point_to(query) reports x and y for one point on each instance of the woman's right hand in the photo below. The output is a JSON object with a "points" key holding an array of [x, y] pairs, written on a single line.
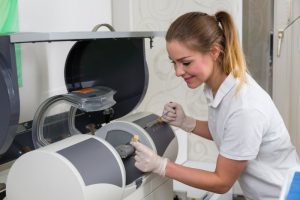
{"points": [[174, 115]]}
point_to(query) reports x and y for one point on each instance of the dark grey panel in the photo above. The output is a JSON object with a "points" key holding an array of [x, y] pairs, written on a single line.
{"points": [[94, 161], [9, 91], [161, 133], [119, 137], [258, 40]]}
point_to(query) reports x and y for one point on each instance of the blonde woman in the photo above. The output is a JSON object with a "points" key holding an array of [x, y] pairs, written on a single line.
{"points": [[253, 142]]}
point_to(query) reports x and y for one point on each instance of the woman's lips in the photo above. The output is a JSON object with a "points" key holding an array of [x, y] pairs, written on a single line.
{"points": [[188, 79]]}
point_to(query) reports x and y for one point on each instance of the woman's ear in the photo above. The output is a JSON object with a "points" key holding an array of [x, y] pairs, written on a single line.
{"points": [[215, 51]]}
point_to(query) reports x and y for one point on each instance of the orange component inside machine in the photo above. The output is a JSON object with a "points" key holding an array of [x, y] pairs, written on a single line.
{"points": [[86, 90]]}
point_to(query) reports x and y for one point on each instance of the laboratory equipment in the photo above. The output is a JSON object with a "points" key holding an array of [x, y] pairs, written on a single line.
{"points": [[76, 135]]}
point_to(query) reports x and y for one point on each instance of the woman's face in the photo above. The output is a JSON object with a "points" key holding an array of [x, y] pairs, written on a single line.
{"points": [[194, 67]]}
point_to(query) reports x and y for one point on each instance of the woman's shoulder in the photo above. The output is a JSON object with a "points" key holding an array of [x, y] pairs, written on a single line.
{"points": [[252, 98]]}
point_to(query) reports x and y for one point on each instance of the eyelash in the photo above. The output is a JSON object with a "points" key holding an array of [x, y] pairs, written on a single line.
{"points": [[184, 63]]}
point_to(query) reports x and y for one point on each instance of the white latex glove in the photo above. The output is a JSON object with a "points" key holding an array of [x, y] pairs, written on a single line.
{"points": [[147, 160], [174, 115]]}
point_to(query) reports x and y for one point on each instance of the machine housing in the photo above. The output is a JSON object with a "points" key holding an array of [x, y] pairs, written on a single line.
{"points": [[75, 153]]}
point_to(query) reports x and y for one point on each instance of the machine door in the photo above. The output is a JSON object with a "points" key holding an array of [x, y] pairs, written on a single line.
{"points": [[116, 63]]}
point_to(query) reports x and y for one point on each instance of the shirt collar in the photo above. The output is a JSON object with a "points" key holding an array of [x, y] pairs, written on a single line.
{"points": [[225, 87]]}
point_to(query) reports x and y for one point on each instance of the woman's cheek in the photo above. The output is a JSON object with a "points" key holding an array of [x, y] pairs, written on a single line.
{"points": [[203, 67], [198, 69]]}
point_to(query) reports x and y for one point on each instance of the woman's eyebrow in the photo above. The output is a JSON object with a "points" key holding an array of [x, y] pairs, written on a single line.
{"points": [[180, 59]]}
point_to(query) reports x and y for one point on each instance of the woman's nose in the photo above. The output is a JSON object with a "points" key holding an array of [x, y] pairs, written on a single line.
{"points": [[179, 71]]}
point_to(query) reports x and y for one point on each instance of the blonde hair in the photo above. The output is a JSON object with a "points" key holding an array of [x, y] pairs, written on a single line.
{"points": [[199, 31]]}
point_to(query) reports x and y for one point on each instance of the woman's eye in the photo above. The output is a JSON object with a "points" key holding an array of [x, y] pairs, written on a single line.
{"points": [[186, 63]]}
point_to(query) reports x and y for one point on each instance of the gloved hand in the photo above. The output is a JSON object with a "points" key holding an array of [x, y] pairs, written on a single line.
{"points": [[174, 115], [147, 160]]}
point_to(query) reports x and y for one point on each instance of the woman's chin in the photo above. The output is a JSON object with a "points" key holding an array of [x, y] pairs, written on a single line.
{"points": [[193, 85]]}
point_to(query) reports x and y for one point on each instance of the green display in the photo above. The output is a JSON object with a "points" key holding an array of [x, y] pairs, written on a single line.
{"points": [[9, 23]]}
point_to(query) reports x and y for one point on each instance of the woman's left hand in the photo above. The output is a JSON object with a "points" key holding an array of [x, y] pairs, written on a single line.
{"points": [[147, 160]]}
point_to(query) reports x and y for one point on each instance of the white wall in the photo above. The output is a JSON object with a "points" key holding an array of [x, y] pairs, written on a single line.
{"points": [[43, 63]]}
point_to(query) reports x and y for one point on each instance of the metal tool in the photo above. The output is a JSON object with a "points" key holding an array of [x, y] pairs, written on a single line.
{"points": [[156, 121]]}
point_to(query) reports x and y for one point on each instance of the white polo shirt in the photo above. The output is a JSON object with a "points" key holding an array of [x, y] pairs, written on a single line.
{"points": [[246, 125]]}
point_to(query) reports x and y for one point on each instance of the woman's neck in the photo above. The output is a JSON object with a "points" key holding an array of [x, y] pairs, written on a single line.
{"points": [[216, 80]]}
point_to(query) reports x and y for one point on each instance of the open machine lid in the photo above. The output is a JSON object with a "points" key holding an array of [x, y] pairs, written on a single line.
{"points": [[117, 63], [114, 60], [110, 59]]}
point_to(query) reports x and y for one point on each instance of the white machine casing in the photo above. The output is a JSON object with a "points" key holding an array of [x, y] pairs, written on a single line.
{"points": [[86, 167], [74, 154]]}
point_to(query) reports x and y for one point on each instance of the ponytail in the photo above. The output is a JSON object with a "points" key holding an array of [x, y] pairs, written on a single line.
{"points": [[233, 60]]}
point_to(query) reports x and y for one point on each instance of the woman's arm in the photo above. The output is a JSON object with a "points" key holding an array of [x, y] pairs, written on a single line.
{"points": [[226, 173], [202, 130]]}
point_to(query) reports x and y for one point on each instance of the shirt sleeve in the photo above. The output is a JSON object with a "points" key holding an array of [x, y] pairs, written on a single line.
{"points": [[243, 134]]}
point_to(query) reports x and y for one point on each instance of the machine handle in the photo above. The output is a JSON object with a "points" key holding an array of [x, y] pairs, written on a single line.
{"points": [[110, 27]]}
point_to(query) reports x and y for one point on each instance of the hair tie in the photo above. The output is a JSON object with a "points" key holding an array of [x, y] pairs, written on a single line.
{"points": [[219, 22]]}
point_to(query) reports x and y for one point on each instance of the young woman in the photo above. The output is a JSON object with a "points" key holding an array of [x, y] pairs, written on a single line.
{"points": [[253, 142]]}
